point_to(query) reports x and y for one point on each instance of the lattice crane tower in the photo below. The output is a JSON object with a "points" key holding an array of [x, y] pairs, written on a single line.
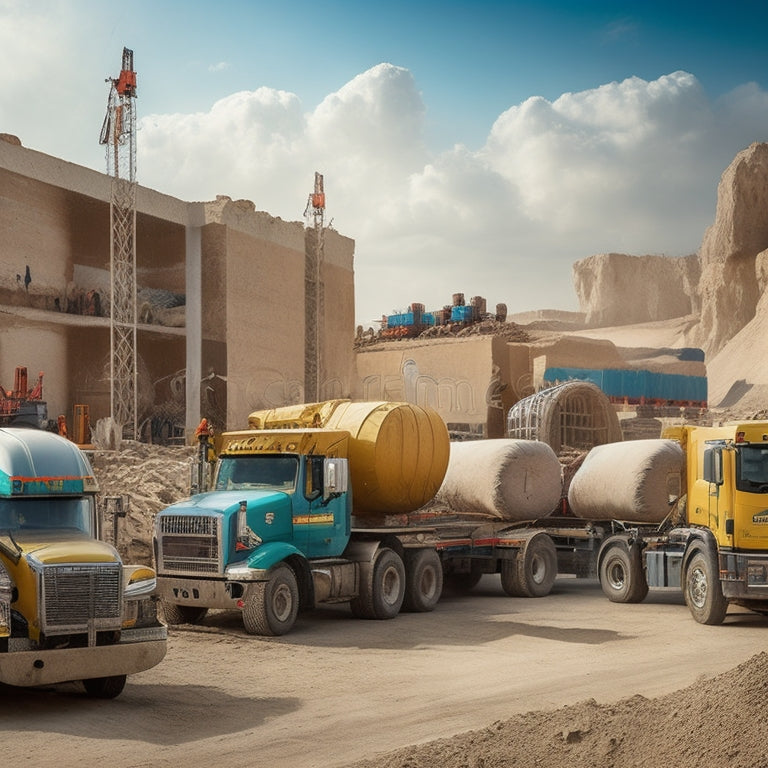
{"points": [[118, 134], [314, 294]]}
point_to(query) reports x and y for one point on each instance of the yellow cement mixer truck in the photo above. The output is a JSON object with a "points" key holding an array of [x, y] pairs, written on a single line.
{"points": [[713, 540], [688, 512]]}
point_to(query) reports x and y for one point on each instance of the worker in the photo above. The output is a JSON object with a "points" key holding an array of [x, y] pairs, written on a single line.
{"points": [[204, 435]]}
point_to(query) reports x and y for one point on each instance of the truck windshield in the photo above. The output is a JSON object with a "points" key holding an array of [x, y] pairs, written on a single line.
{"points": [[243, 472], [752, 469], [19, 515]]}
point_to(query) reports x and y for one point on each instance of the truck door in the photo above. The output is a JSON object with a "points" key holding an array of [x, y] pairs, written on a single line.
{"points": [[750, 526], [718, 472], [322, 528], [704, 503]]}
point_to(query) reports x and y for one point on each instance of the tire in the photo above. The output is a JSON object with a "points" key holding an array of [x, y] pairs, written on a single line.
{"points": [[703, 593], [272, 606], [183, 614], [509, 581], [104, 687], [536, 569], [621, 574], [423, 581], [382, 592]]}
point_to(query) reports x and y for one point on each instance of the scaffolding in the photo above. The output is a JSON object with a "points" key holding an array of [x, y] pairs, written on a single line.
{"points": [[118, 134], [314, 298]]}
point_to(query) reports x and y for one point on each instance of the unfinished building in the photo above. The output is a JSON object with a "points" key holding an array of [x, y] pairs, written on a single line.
{"points": [[221, 327]]}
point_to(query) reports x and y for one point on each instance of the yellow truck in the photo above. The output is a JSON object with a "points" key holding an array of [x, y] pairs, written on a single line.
{"points": [[713, 543], [70, 610]]}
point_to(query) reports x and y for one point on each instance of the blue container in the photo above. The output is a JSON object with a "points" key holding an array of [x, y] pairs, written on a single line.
{"points": [[461, 314], [636, 385]]}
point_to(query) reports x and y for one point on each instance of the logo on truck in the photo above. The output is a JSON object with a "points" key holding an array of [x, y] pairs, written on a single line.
{"points": [[761, 518]]}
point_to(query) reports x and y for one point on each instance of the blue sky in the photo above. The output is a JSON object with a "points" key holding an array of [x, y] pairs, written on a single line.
{"points": [[467, 147]]}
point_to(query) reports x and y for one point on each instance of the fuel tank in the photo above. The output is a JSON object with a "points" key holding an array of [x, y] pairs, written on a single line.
{"points": [[398, 452]]}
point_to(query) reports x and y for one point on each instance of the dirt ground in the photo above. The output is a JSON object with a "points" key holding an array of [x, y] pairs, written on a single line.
{"points": [[718, 720], [483, 681]]}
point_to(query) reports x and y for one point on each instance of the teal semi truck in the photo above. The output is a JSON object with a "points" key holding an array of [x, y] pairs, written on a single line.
{"points": [[70, 609], [275, 534]]}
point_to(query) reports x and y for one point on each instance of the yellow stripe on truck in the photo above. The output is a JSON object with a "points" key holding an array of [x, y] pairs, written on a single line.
{"points": [[313, 519]]}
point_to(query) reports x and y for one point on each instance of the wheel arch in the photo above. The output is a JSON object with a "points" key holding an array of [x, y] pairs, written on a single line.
{"points": [[304, 581], [270, 554], [624, 539], [699, 540]]}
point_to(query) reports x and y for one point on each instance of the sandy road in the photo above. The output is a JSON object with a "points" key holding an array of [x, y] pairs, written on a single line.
{"points": [[338, 689]]}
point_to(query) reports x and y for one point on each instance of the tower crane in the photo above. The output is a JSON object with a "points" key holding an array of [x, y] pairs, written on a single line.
{"points": [[118, 135]]}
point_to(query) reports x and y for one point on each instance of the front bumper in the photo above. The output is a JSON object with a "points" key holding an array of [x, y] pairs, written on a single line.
{"points": [[28, 668], [228, 594]]}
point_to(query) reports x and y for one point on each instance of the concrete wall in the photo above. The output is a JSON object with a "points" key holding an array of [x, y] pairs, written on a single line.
{"points": [[244, 345], [337, 371], [465, 380]]}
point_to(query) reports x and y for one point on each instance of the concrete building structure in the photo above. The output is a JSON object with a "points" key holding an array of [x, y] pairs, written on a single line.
{"points": [[221, 328]]}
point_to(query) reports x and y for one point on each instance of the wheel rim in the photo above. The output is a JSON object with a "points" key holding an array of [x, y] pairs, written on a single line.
{"points": [[617, 578], [697, 587], [391, 586], [428, 583], [538, 569], [282, 602]]}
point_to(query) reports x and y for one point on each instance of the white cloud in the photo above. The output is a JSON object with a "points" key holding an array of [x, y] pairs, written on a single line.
{"points": [[628, 166], [48, 95], [220, 66]]}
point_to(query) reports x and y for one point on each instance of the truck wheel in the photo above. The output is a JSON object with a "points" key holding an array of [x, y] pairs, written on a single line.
{"points": [[536, 569], [703, 593], [183, 614], [104, 687], [423, 580], [621, 575], [272, 606], [382, 593]]}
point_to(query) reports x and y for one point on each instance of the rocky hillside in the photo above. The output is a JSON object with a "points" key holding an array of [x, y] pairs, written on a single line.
{"points": [[720, 292]]}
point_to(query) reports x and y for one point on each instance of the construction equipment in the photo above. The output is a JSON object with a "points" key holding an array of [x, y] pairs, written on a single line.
{"points": [[22, 406], [118, 134]]}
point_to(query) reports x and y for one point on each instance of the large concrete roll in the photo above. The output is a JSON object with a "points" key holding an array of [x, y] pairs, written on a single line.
{"points": [[635, 481], [506, 479], [398, 452]]}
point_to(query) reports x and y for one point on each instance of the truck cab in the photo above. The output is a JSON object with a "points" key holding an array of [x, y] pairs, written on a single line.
{"points": [[728, 501], [69, 608]]}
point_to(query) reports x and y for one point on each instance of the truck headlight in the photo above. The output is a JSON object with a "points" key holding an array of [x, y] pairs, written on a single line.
{"points": [[139, 600], [141, 612]]}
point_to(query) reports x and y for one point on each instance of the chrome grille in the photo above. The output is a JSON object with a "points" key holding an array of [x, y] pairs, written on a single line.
{"points": [[189, 544], [76, 598]]}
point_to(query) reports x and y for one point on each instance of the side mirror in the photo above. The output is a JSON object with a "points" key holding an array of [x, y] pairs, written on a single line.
{"points": [[335, 477], [713, 466]]}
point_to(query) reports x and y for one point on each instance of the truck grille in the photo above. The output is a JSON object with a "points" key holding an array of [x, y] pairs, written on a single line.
{"points": [[189, 544], [76, 598]]}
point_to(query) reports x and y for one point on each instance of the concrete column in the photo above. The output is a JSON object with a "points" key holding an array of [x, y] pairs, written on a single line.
{"points": [[194, 284]]}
